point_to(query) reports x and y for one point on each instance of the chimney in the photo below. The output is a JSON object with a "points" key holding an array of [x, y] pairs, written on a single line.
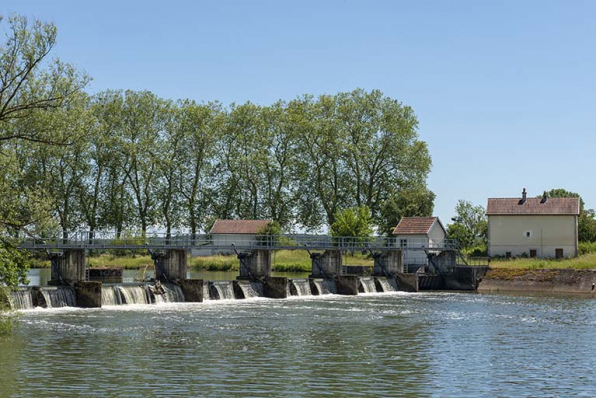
{"points": [[544, 197], [524, 196]]}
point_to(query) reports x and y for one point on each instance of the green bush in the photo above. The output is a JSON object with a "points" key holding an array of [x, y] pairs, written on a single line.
{"points": [[587, 247], [8, 318]]}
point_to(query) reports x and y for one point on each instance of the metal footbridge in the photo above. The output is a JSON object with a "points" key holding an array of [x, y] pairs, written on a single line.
{"points": [[97, 240]]}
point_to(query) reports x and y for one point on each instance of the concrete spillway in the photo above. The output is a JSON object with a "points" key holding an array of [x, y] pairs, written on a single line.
{"points": [[386, 285], [299, 287], [367, 285], [57, 296]]}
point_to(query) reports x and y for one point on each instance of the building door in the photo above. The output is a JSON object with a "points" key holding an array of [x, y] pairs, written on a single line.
{"points": [[532, 253], [558, 253]]}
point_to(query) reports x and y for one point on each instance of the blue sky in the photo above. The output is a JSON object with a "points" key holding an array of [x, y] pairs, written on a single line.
{"points": [[505, 91]]}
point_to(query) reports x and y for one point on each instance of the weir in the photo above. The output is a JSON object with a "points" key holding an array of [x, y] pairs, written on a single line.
{"points": [[68, 267], [299, 287], [171, 265], [255, 264], [326, 264], [387, 263], [367, 285]]}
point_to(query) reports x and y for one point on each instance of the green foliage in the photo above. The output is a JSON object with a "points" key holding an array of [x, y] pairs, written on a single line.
{"points": [[8, 318], [587, 248], [407, 202], [470, 225], [271, 229], [356, 222]]}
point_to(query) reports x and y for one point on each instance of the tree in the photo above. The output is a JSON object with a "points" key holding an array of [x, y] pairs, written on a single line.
{"points": [[470, 225], [30, 94], [355, 222], [406, 202], [586, 220], [26, 87]]}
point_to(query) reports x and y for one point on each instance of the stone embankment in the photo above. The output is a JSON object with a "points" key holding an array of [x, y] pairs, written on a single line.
{"points": [[539, 281]]}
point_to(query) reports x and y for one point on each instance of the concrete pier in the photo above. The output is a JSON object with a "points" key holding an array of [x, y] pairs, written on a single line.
{"points": [[276, 287], [255, 264], [348, 285], [192, 290], [68, 267], [407, 282], [170, 266], [326, 264], [88, 294], [388, 263]]}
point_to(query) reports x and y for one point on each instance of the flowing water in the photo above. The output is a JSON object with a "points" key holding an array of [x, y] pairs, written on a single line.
{"points": [[387, 284], [325, 286], [251, 289], [222, 290], [58, 296], [397, 344], [21, 299], [367, 285], [299, 287], [134, 294], [110, 295]]}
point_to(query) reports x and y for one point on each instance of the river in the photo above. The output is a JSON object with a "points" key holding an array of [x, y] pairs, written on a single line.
{"points": [[387, 344]]}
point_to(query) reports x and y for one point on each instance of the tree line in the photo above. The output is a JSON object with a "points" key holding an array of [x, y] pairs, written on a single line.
{"points": [[129, 160]]}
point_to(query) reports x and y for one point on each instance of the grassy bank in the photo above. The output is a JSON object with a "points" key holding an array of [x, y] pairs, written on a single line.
{"points": [[283, 261], [105, 260], [586, 261]]}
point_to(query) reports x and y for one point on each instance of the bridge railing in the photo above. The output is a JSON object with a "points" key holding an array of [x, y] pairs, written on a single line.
{"points": [[113, 240]]}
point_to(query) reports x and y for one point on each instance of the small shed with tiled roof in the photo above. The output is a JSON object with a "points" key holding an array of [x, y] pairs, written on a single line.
{"points": [[239, 232], [540, 227], [418, 232]]}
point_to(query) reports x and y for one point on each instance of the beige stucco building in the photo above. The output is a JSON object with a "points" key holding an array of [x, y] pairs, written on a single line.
{"points": [[534, 227], [418, 232]]}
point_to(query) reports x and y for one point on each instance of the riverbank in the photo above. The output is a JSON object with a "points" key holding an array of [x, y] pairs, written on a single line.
{"points": [[567, 281], [586, 261]]}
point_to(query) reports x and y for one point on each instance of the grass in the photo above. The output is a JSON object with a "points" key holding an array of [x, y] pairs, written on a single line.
{"points": [[282, 260], [586, 261]]}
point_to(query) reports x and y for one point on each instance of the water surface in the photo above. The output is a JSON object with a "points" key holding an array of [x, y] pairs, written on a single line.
{"points": [[424, 344]]}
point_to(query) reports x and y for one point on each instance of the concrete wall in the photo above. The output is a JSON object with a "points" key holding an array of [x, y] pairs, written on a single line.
{"points": [[547, 233]]}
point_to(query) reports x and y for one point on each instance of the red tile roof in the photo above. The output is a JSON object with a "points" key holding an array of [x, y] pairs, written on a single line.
{"points": [[414, 225], [238, 226], [532, 206]]}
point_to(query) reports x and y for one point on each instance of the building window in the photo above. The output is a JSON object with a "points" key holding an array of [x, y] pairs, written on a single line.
{"points": [[529, 234], [559, 253], [507, 254], [532, 253], [403, 243]]}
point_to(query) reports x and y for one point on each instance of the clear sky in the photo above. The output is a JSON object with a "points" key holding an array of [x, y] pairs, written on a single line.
{"points": [[505, 91]]}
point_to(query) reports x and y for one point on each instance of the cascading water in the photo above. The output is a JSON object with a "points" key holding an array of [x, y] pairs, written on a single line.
{"points": [[110, 295], [300, 287], [134, 294], [251, 289], [367, 285], [171, 293], [59, 296], [325, 286], [206, 295], [222, 290], [21, 299], [387, 284]]}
